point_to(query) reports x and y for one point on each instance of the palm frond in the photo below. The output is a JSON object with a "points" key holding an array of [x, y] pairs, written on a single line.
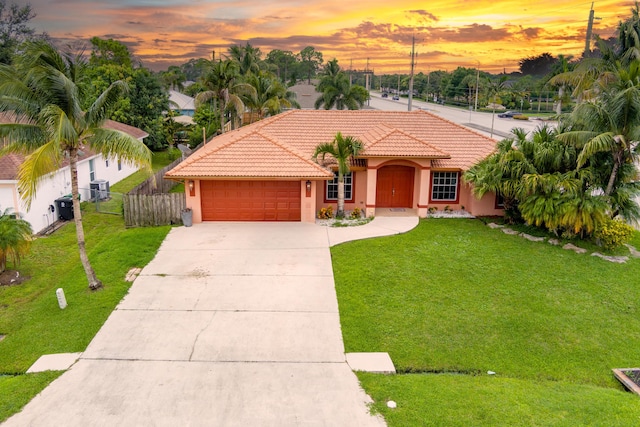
{"points": [[44, 160], [113, 143], [98, 112], [22, 138]]}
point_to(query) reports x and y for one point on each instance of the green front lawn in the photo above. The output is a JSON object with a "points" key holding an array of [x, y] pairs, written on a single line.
{"points": [[456, 297], [30, 317]]}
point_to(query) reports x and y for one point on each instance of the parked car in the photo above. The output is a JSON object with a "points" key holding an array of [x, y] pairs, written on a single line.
{"points": [[396, 97], [385, 95], [509, 114]]}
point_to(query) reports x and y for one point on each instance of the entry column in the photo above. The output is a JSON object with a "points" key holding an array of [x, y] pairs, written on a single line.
{"points": [[372, 184], [423, 191]]}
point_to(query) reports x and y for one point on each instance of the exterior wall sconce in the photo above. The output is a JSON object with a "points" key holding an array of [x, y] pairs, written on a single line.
{"points": [[192, 188], [308, 188]]}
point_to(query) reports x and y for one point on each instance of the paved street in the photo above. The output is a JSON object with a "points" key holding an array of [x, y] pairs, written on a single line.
{"points": [[479, 121]]}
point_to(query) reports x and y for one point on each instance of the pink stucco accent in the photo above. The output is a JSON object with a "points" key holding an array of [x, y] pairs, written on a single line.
{"points": [[194, 202], [308, 204]]}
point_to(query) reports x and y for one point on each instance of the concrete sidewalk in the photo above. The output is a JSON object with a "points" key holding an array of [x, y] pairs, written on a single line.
{"points": [[231, 324]]}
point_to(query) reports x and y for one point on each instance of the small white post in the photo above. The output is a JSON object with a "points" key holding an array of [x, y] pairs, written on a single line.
{"points": [[62, 301]]}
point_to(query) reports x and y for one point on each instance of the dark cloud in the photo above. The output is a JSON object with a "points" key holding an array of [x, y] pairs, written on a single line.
{"points": [[278, 18], [531, 33], [470, 34], [134, 23], [424, 14]]}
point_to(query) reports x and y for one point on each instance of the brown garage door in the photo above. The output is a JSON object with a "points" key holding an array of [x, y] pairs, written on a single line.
{"points": [[250, 200]]}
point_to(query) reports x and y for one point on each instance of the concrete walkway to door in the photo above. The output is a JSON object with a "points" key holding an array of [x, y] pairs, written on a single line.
{"points": [[231, 324]]}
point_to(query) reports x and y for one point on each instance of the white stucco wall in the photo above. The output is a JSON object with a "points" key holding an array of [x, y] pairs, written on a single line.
{"points": [[58, 185]]}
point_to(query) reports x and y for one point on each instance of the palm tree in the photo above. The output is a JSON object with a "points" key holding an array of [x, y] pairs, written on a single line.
{"points": [[562, 79], [248, 58], [15, 238], [342, 149], [494, 89], [224, 86], [42, 91], [337, 92], [271, 95], [606, 130]]}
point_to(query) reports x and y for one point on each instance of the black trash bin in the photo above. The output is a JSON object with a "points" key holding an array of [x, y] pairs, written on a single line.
{"points": [[65, 208]]}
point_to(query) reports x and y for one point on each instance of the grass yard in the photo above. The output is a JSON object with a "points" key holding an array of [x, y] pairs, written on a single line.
{"points": [[29, 313], [454, 299]]}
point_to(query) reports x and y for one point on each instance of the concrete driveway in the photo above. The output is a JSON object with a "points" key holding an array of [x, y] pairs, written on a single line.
{"points": [[232, 324]]}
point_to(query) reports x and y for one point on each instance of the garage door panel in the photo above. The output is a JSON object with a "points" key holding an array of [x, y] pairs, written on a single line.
{"points": [[250, 200]]}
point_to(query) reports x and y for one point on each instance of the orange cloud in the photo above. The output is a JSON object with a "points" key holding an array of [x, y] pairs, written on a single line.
{"points": [[448, 33]]}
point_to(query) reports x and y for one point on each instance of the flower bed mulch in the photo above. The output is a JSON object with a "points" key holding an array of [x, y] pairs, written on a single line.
{"points": [[12, 277]]}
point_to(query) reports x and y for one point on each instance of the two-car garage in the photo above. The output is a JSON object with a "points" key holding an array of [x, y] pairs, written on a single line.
{"points": [[250, 200]]}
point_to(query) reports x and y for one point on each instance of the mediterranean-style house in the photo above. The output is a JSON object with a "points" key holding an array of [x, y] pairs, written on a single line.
{"points": [[265, 171], [92, 167]]}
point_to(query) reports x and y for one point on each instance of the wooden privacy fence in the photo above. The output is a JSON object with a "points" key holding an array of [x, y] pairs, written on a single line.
{"points": [[151, 204], [143, 210], [157, 184]]}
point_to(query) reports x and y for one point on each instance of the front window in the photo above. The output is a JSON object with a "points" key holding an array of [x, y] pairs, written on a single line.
{"points": [[444, 186], [92, 170], [332, 187]]}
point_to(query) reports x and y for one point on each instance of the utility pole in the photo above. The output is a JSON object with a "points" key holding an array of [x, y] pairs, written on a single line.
{"points": [[587, 44], [428, 84], [477, 85], [413, 58]]}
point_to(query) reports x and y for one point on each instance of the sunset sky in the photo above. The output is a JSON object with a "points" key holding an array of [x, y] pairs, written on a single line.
{"points": [[448, 33]]}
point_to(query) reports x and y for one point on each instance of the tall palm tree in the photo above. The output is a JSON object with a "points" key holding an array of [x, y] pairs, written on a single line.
{"points": [[342, 149], [247, 57], [15, 238], [271, 95], [225, 87], [495, 88], [609, 126], [562, 79], [337, 92], [42, 91]]}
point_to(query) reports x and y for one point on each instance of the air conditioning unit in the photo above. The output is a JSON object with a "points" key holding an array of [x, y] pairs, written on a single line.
{"points": [[99, 189]]}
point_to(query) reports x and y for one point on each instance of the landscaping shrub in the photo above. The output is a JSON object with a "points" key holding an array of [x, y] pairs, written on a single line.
{"points": [[613, 233], [326, 213]]}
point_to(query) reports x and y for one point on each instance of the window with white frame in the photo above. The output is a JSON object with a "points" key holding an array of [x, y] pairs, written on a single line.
{"points": [[119, 164], [444, 186], [332, 187], [92, 170]]}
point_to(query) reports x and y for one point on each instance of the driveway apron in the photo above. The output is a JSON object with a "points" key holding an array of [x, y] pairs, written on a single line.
{"points": [[231, 324]]}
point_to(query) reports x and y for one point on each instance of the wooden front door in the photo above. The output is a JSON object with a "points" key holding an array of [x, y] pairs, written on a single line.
{"points": [[394, 188]]}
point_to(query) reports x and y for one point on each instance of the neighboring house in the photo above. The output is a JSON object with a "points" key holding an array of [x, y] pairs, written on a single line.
{"points": [[265, 171], [306, 94], [184, 105], [91, 167]]}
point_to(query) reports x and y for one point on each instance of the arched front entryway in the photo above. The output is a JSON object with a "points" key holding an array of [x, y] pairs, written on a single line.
{"points": [[394, 187]]}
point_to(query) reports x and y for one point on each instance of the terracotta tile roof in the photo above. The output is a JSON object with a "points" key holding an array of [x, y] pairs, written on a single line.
{"points": [[417, 134], [10, 163], [384, 141], [131, 130], [248, 155]]}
